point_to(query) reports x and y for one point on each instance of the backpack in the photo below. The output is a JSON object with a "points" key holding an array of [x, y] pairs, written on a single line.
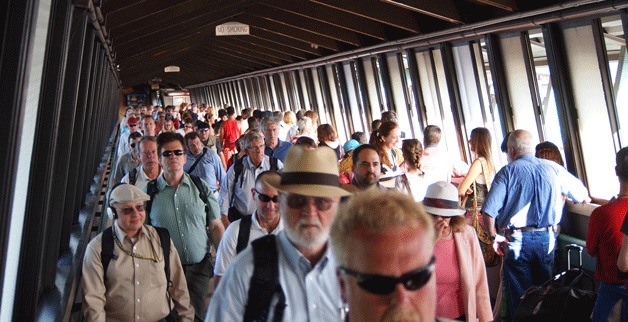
{"points": [[238, 168], [152, 190], [106, 252], [264, 282]]}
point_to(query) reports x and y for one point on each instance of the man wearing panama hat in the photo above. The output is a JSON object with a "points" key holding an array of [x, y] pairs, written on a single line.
{"points": [[306, 288]]}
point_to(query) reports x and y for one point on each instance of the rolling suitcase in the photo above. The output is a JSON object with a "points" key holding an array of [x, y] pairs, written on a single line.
{"points": [[568, 296]]}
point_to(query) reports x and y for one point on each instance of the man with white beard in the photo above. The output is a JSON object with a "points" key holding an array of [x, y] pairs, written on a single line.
{"points": [[292, 276]]}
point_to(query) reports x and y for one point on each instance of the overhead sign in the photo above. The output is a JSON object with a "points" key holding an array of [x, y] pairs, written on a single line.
{"points": [[172, 69], [232, 29]]}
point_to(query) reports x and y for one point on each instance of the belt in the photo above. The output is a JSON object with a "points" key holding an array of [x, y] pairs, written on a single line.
{"points": [[529, 229]]}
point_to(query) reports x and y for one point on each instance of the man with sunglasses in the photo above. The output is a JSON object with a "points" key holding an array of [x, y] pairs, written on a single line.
{"points": [[177, 205], [130, 160], [383, 243], [304, 287], [210, 141], [132, 125], [265, 220], [132, 284]]}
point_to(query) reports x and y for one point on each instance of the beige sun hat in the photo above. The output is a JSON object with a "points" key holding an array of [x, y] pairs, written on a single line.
{"points": [[310, 172]]}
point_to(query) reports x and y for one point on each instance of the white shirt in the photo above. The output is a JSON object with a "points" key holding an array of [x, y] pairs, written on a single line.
{"points": [[141, 180], [227, 249]]}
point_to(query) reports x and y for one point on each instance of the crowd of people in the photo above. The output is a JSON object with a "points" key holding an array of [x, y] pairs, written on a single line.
{"points": [[378, 228]]}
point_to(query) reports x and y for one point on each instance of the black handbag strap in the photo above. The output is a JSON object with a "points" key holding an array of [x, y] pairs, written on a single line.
{"points": [[197, 161]]}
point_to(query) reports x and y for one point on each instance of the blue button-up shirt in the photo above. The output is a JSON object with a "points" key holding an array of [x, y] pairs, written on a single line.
{"points": [[280, 151], [528, 193], [182, 212], [312, 292], [208, 168]]}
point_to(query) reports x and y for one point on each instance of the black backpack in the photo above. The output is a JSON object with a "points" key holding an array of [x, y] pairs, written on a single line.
{"points": [[264, 282], [106, 252], [152, 190]]}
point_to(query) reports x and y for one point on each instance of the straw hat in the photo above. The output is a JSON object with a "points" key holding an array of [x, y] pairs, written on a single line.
{"points": [[309, 172], [441, 199]]}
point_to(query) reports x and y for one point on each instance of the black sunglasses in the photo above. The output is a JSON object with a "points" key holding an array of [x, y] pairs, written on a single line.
{"points": [[383, 285], [266, 198], [300, 201], [167, 154]]}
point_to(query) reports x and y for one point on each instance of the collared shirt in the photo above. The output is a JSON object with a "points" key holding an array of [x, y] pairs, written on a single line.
{"points": [[227, 248], [243, 198], [527, 193], [312, 292], [209, 168], [141, 180], [280, 151], [135, 288], [182, 212]]}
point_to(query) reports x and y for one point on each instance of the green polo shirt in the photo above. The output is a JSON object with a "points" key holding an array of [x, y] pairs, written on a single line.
{"points": [[182, 212]]}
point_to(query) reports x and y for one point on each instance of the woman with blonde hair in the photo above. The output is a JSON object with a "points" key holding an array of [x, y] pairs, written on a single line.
{"points": [[461, 280]]}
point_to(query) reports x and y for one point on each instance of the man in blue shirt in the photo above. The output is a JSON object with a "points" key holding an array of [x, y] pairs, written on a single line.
{"points": [[525, 204], [203, 162], [274, 146]]}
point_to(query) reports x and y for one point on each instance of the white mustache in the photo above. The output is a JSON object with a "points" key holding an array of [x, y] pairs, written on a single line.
{"points": [[309, 222]]}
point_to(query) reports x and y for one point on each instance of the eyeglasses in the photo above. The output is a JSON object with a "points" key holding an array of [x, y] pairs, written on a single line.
{"points": [[300, 201], [203, 130], [167, 154], [266, 198], [383, 285], [188, 126], [130, 210], [132, 124]]}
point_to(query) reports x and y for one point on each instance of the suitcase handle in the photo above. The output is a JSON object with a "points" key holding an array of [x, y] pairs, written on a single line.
{"points": [[574, 247]]}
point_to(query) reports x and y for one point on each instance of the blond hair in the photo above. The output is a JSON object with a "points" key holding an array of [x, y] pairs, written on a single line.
{"points": [[374, 211]]}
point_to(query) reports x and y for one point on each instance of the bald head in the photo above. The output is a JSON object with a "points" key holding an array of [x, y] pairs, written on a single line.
{"points": [[520, 143]]}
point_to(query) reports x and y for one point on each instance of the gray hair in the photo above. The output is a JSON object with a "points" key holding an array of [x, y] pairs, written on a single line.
{"points": [[521, 141]]}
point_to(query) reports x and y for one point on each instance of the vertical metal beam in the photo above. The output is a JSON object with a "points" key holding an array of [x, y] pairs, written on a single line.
{"points": [[607, 85], [500, 86], [454, 98], [416, 93], [384, 72], [535, 97], [563, 91]]}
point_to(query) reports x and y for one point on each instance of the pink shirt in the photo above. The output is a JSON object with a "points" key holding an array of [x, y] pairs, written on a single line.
{"points": [[448, 286]]}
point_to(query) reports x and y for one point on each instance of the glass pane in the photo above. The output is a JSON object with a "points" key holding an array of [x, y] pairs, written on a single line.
{"points": [[615, 42]]}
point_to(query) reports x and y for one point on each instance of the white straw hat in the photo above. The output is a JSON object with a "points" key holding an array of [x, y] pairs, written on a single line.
{"points": [[441, 199]]}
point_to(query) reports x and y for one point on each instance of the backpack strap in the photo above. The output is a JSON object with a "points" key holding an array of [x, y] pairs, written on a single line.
{"points": [[238, 167], [106, 251], [164, 237], [197, 161], [151, 190], [203, 195], [273, 163], [244, 233], [264, 282], [133, 176]]}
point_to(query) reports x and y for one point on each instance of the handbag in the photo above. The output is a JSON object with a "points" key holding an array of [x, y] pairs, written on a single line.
{"points": [[486, 244]]}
